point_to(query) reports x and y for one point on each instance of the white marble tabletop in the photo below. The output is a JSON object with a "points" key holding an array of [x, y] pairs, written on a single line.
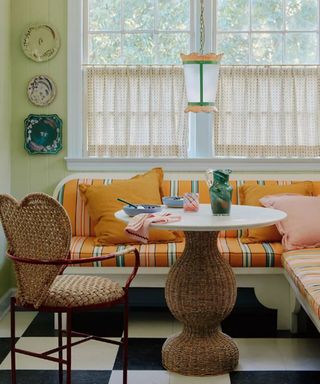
{"points": [[241, 216]]}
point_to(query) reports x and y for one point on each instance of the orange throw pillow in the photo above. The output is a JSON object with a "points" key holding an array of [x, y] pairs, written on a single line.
{"points": [[250, 194], [102, 203]]}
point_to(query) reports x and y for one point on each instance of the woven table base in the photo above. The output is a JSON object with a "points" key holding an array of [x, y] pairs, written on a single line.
{"points": [[200, 293]]}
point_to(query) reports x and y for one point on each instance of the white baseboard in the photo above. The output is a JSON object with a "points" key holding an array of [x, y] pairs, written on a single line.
{"points": [[5, 302]]}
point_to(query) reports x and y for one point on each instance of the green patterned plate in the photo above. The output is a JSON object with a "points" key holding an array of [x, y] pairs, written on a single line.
{"points": [[43, 134]]}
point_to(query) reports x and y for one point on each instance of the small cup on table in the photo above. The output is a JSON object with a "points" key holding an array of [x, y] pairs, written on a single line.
{"points": [[191, 202]]}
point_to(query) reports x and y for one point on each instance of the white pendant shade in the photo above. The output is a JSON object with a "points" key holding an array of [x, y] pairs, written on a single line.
{"points": [[201, 76]]}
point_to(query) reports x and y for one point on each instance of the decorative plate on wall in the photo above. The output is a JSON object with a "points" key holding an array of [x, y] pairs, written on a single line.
{"points": [[43, 134], [40, 42], [41, 90]]}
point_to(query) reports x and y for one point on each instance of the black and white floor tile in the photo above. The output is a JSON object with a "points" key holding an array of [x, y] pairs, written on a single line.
{"points": [[281, 359]]}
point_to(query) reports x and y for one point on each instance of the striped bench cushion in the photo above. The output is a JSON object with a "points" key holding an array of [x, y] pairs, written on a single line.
{"points": [[164, 255], [303, 267], [82, 225], [250, 255]]}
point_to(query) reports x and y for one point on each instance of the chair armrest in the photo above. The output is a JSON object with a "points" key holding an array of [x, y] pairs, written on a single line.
{"points": [[66, 262]]}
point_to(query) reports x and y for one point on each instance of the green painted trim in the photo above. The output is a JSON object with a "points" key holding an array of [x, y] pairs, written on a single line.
{"points": [[201, 62], [201, 103], [201, 83]]}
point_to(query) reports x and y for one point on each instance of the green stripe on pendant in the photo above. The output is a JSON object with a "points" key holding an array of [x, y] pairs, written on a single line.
{"points": [[201, 82], [201, 62], [201, 103]]}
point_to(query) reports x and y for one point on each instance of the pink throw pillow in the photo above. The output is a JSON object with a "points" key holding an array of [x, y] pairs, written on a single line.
{"points": [[301, 227]]}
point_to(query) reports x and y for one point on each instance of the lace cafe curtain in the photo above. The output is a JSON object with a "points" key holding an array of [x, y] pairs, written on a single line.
{"points": [[271, 111], [136, 111]]}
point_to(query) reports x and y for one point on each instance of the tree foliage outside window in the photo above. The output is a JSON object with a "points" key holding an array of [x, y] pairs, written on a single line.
{"points": [[268, 31], [138, 31], [248, 31]]}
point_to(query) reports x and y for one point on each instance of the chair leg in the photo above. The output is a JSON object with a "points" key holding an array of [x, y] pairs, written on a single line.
{"points": [[125, 342], [60, 345], [69, 317], [13, 339]]}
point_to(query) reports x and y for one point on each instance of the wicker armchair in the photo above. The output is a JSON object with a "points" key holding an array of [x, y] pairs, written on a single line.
{"points": [[38, 232]]}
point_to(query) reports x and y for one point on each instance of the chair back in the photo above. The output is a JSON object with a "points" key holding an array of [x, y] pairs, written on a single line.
{"points": [[36, 228]]}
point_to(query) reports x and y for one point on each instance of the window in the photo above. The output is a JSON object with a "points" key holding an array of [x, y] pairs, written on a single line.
{"points": [[156, 31], [269, 103], [134, 92], [268, 32], [258, 38], [137, 32]]}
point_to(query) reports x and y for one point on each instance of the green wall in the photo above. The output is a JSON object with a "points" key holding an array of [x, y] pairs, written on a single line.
{"points": [[31, 173], [38, 172], [5, 114]]}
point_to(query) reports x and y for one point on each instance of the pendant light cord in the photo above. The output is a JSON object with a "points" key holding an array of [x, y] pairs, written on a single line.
{"points": [[202, 27]]}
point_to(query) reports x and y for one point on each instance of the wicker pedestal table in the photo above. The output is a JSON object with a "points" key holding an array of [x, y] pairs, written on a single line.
{"points": [[201, 290]]}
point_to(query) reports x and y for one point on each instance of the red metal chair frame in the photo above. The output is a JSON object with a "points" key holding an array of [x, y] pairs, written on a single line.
{"points": [[69, 333]]}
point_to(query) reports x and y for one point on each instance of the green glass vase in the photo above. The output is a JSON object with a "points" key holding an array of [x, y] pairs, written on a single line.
{"points": [[220, 191]]}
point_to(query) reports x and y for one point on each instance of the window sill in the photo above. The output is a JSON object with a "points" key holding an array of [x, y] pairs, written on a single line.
{"points": [[193, 165]]}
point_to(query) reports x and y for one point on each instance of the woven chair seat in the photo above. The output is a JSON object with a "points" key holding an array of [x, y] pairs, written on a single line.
{"points": [[77, 291]]}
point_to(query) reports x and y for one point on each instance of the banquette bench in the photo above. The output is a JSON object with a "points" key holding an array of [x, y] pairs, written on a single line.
{"points": [[278, 278]]}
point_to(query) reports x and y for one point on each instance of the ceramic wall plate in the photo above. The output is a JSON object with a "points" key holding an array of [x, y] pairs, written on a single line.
{"points": [[40, 42], [43, 134], [41, 90]]}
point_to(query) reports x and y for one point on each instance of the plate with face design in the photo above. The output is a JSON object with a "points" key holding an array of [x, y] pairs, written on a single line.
{"points": [[40, 42], [41, 90]]}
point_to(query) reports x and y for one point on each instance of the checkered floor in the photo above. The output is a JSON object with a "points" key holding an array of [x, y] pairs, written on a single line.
{"points": [[285, 359]]}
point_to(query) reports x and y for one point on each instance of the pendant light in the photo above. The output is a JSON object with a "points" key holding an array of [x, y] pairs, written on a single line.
{"points": [[201, 72]]}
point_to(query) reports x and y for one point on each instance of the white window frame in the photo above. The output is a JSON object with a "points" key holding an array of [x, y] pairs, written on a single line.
{"points": [[201, 137]]}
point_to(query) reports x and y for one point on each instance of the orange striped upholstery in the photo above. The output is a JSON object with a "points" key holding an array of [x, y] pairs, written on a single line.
{"points": [[303, 266], [237, 254], [250, 255], [164, 255], [151, 255]]}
